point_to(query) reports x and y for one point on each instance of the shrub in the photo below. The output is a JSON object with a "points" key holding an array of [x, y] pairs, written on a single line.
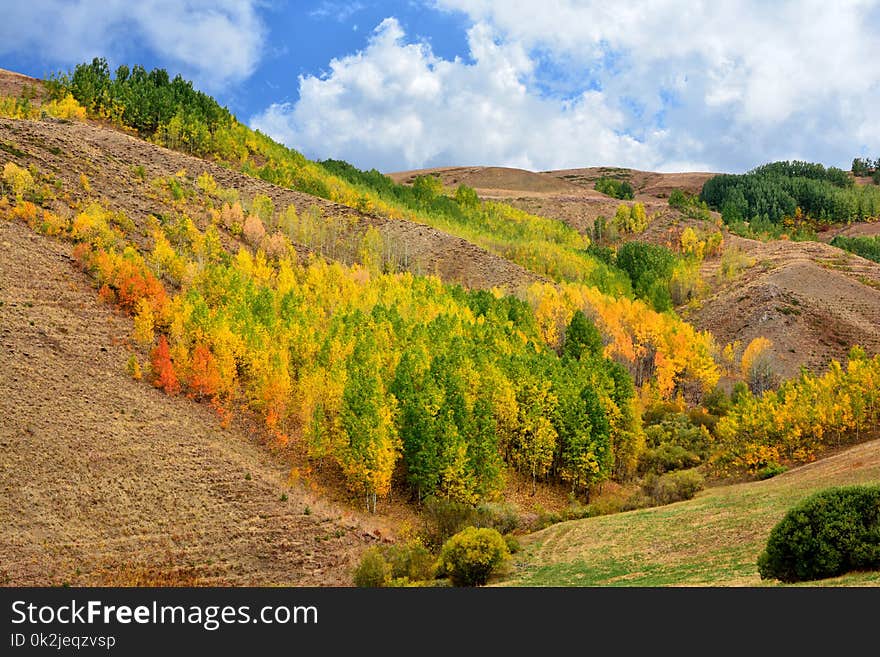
{"points": [[771, 470], [830, 533], [372, 571], [470, 557], [502, 517], [411, 561], [667, 457], [444, 517], [674, 486], [614, 188]]}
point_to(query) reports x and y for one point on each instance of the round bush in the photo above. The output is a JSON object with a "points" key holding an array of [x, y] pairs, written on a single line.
{"points": [[830, 533], [472, 554]]}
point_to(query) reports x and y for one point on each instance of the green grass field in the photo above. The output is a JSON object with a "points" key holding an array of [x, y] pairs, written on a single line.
{"points": [[712, 540]]}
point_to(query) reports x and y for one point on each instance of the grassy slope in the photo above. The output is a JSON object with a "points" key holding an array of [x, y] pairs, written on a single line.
{"points": [[712, 540]]}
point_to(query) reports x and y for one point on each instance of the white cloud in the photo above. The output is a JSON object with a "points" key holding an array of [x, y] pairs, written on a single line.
{"points": [[721, 85], [214, 41], [770, 79], [397, 105], [339, 11]]}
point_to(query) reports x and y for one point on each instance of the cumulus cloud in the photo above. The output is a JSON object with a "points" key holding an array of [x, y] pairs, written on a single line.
{"points": [[216, 42], [397, 105], [747, 80], [650, 83]]}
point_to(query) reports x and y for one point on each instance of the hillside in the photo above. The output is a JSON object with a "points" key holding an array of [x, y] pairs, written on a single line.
{"points": [[812, 300], [267, 327], [108, 481], [712, 540], [109, 157]]}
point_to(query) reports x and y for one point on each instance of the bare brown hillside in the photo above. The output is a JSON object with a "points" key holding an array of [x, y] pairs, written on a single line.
{"points": [[645, 183], [493, 181], [14, 84], [105, 480], [109, 158], [812, 300]]}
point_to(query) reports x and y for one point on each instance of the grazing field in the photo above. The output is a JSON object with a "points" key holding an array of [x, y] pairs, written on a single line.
{"points": [[712, 540]]}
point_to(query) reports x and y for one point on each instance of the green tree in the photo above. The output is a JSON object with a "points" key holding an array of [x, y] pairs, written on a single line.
{"points": [[581, 337]]}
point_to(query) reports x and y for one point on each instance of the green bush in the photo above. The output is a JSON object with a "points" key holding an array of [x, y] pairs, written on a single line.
{"points": [[373, 570], [674, 486], [830, 533], [666, 458], [470, 557], [771, 470], [512, 543]]}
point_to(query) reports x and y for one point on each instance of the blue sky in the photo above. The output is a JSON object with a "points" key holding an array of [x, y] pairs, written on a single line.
{"points": [[652, 84]]}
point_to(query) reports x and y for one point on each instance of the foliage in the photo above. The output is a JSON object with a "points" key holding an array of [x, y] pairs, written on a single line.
{"points": [[757, 367], [444, 518], [410, 561], [470, 557], [614, 188], [771, 470], [673, 439], [162, 368], [791, 194], [373, 570], [803, 416], [864, 166], [733, 262], [674, 486], [688, 204], [630, 219], [866, 247], [17, 179], [152, 103], [650, 268], [658, 349], [830, 533]]}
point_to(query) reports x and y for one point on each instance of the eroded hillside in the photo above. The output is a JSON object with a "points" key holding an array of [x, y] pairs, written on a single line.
{"points": [[109, 159], [106, 480]]}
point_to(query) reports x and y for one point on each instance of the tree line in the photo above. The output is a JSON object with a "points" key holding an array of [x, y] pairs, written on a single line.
{"points": [[791, 193]]}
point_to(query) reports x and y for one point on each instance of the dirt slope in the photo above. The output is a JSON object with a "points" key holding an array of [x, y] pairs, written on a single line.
{"points": [[812, 300], [108, 158], [105, 480], [13, 84], [645, 183], [493, 181]]}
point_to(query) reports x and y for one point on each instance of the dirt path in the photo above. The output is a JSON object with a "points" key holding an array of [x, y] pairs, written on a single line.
{"points": [[105, 480]]}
